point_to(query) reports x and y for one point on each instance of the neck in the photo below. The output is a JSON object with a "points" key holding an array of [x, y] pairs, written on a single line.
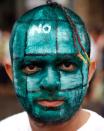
{"points": [[78, 120]]}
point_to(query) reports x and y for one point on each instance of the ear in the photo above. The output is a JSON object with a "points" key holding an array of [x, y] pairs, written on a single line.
{"points": [[8, 69], [92, 69]]}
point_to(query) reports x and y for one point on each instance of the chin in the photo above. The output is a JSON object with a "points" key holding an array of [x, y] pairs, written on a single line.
{"points": [[51, 121]]}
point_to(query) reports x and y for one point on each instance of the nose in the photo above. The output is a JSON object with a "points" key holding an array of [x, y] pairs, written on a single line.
{"points": [[51, 80]]}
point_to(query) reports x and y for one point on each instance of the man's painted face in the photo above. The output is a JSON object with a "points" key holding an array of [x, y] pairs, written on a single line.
{"points": [[49, 78]]}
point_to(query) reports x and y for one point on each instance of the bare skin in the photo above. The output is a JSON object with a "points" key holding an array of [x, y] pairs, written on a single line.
{"points": [[77, 121]]}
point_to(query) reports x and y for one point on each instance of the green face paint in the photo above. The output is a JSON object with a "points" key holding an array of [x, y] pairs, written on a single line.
{"points": [[49, 78]]}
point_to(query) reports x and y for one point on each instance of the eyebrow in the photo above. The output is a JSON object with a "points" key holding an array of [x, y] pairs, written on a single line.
{"points": [[58, 60]]}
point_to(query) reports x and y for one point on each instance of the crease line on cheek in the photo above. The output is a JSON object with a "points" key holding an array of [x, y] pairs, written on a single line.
{"points": [[56, 36], [57, 54], [26, 87], [59, 80], [82, 83], [25, 45], [24, 56]]}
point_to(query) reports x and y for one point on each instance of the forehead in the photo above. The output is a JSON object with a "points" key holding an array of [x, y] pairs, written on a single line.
{"points": [[44, 37], [49, 37]]}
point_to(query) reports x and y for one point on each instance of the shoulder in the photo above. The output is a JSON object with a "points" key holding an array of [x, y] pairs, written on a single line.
{"points": [[94, 123], [15, 122], [94, 116]]}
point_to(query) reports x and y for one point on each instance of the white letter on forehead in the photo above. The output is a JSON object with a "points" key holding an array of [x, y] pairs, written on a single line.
{"points": [[35, 29], [40, 29], [46, 28]]}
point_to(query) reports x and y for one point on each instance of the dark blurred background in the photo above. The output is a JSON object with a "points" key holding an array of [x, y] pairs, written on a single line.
{"points": [[91, 11]]}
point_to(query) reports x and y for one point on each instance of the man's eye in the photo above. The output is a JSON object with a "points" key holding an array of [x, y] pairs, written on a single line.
{"points": [[29, 69], [68, 66]]}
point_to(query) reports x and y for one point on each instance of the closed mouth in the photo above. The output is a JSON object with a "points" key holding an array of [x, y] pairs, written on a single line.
{"points": [[50, 104]]}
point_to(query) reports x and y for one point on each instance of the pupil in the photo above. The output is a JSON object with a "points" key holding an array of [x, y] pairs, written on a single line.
{"points": [[31, 67], [67, 64]]}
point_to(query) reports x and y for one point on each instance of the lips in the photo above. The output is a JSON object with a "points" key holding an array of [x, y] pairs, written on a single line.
{"points": [[53, 104]]}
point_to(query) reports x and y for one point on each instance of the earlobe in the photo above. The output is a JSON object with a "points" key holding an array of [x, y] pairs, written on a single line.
{"points": [[8, 69], [92, 69]]}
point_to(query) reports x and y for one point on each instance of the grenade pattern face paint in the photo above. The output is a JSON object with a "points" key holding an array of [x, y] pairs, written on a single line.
{"points": [[49, 78]]}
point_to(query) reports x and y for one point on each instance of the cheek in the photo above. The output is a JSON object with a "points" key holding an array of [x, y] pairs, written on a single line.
{"points": [[33, 83], [85, 74], [20, 81], [74, 99], [73, 80]]}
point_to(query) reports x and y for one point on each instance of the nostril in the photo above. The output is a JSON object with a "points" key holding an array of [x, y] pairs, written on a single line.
{"points": [[42, 87], [46, 88], [49, 88]]}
